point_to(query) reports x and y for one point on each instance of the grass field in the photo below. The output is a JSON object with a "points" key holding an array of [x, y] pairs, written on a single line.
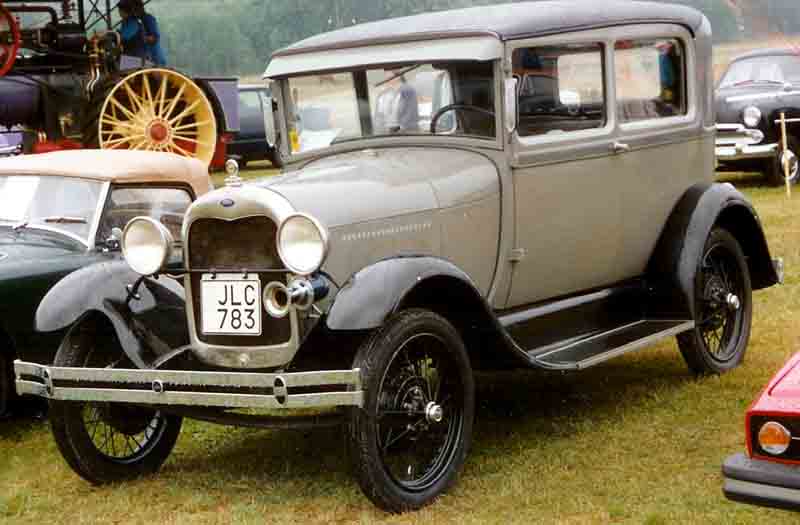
{"points": [[636, 440]]}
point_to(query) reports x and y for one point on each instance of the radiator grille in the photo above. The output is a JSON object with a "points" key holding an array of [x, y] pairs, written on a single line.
{"points": [[247, 243]]}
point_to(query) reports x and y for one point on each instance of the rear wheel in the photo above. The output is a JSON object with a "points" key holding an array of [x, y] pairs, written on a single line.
{"points": [[409, 441], [723, 307], [151, 109], [107, 442]]}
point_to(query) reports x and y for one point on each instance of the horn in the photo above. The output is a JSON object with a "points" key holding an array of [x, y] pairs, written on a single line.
{"points": [[277, 301]]}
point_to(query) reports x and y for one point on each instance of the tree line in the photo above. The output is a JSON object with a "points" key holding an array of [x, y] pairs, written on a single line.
{"points": [[237, 37]]}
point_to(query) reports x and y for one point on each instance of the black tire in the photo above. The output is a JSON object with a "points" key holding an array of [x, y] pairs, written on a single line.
{"points": [[7, 390], [774, 168], [396, 395], [88, 346], [719, 340]]}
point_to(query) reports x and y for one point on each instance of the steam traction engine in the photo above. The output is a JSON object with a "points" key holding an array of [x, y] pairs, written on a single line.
{"points": [[65, 84]]}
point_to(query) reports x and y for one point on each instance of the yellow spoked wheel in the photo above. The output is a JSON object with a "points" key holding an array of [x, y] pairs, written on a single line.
{"points": [[158, 110]]}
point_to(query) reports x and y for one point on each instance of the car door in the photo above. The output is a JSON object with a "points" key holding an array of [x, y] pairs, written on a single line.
{"points": [[658, 128], [568, 206]]}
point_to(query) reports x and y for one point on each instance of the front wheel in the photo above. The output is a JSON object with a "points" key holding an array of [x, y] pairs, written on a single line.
{"points": [[775, 171], [107, 442], [409, 441], [723, 307]]}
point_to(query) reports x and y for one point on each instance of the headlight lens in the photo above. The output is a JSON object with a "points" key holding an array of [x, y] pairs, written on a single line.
{"points": [[774, 438], [302, 244], [146, 245], [751, 116]]}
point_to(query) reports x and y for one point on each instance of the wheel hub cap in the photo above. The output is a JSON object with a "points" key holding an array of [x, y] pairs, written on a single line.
{"points": [[434, 413], [733, 302], [158, 131]]}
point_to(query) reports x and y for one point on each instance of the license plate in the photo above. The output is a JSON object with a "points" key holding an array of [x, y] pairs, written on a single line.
{"points": [[231, 304]]}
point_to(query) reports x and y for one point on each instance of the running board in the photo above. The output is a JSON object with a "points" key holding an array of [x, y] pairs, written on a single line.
{"points": [[595, 349]]}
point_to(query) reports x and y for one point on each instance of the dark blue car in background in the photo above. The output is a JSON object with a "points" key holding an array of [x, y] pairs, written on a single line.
{"points": [[250, 144]]}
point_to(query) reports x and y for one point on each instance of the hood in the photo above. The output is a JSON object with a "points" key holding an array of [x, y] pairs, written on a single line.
{"points": [[26, 251], [731, 101], [782, 394], [368, 185]]}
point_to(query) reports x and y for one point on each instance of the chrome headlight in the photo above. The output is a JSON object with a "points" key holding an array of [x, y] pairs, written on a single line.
{"points": [[146, 245], [302, 243], [751, 116]]}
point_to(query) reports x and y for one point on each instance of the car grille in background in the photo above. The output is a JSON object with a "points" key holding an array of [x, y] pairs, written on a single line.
{"points": [[247, 243]]}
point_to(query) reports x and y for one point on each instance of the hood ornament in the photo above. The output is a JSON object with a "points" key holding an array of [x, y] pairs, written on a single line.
{"points": [[3, 256], [233, 180]]}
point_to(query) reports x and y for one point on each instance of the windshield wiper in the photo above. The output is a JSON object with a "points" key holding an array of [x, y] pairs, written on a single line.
{"points": [[65, 220]]}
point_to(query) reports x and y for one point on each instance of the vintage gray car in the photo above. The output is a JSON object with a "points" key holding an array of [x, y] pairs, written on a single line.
{"points": [[553, 225]]}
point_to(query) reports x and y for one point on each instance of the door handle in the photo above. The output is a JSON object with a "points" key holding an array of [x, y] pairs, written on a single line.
{"points": [[620, 147]]}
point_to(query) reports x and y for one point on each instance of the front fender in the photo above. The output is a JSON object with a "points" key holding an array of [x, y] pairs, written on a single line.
{"points": [[374, 293], [148, 325], [675, 260]]}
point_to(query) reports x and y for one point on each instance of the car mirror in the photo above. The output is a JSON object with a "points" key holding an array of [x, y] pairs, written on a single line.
{"points": [[114, 241], [511, 104]]}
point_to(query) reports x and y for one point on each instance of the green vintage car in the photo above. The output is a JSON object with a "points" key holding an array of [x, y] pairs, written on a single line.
{"points": [[64, 211]]}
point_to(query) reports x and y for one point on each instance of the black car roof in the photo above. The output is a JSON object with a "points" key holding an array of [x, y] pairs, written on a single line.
{"points": [[769, 52], [504, 21]]}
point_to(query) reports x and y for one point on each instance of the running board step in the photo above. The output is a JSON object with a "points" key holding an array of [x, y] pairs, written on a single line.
{"points": [[593, 350]]}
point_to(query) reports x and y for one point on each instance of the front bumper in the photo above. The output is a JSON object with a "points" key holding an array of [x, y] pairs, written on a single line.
{"points": [[737, 142], [323, 389], [763, 483]]}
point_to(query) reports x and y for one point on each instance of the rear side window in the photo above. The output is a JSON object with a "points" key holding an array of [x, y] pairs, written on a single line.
{"points": [[651, 82], [561, 88]]}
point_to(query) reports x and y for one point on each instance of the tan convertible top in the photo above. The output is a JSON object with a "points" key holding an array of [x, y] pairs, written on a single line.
{"points": [[118, 166]]}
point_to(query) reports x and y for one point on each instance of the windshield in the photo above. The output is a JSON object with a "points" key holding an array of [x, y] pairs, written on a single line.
{"points": [[769, 69], [397, 100], [63, 204]]}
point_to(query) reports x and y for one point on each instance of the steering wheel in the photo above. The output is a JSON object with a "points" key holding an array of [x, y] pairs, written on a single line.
{"points": [[456, 107], [10, 39]]}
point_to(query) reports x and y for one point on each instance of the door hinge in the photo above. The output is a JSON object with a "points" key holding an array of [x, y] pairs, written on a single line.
{"points": [[517, 254]]}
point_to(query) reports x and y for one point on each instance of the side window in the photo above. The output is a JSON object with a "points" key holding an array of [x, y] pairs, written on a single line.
{"points": [[651, 83], [166, 205], [561, 88]]}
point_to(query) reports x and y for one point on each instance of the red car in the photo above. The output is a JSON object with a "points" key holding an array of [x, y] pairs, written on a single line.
{"points": [[769, 474]]}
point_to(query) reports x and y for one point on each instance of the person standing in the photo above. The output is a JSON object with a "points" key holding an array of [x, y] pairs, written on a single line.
{"points": [[140, 34]]}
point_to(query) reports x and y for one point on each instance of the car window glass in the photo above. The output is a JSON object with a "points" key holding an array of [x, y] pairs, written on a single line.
{"points": [[250, 100], [62, 203], [776, 69], [166, 205], [650, 79], [397, 100], [561, 88]]}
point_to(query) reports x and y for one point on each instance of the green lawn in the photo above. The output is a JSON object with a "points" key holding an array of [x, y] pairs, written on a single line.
{"points": [[636, 440]]}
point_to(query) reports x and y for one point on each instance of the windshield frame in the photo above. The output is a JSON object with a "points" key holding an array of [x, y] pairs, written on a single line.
{"points": [[90, 240], [280, 91]]}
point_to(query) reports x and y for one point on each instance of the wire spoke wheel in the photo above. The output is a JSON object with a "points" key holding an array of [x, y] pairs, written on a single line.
{"points": [[107, 442], [721, 313], [158, 110], [423, 392], [723, 307], [409, 440], [122, 433]]}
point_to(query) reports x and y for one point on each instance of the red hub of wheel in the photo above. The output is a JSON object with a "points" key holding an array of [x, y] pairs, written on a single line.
{"points": [[159, 131], [10, 40]]}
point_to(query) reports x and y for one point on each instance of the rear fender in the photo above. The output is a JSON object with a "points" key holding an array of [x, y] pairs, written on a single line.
{"points": [[148, 323], [673, 265]]}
